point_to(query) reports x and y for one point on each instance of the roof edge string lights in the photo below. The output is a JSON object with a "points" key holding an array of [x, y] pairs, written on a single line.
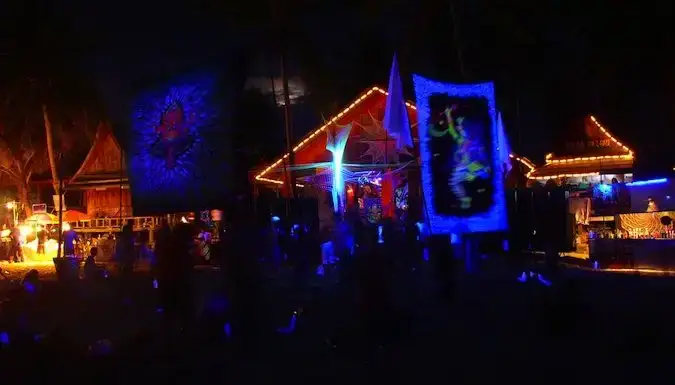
{"points": [[333, 120], [260, 177], [588, 158], [628, 155], [578, 175], [549, 157], [523, 160]]}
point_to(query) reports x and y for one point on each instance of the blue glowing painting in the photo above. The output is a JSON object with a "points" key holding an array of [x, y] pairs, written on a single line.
{"points": [[461, 178], [177, 158]]}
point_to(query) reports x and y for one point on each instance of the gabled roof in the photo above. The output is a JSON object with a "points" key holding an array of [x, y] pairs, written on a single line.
{"points": [[266, 175], [341, 118], [529, 165], [614, 157], [104, 163]]}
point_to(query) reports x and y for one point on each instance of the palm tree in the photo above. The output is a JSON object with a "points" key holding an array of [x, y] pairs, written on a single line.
{"points": [[56, 181]]}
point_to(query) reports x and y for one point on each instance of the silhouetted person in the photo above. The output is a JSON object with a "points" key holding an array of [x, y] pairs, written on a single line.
{"points": [[126, 255], [41, 239], [91, 271], [301, 267], [443, 260], [174, 271], [373, 277]]}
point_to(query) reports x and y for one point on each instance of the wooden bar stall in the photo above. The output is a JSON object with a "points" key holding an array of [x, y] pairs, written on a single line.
{"points": [[641, 240], [595, 167]]}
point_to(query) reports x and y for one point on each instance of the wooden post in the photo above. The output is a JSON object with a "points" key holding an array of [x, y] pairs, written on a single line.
{"points": [[121, 177], [289, 126]]}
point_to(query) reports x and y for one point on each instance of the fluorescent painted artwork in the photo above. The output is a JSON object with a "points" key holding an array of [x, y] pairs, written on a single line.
{"points": [[176, 160], [336, 142], [460, 156]]}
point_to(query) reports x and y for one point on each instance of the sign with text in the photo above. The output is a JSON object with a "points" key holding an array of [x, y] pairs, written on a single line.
{"points": [[39, 208]]}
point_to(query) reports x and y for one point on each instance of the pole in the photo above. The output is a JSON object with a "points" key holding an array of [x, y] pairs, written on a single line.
{"points": [[288, 123], [121, 177], [59, 252]]}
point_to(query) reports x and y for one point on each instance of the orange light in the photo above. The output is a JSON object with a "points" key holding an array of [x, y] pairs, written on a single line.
{"points": [[629, 155], [523, 161], [588, 158], [563, 176], [550, 160], [641, 271], [613, 139], [260, 176]]}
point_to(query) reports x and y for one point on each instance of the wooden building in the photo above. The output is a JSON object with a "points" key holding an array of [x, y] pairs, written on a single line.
{"points": [[102, 179], [369, 149], [587, 157]]}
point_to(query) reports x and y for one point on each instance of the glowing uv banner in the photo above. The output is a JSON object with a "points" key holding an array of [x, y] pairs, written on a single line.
{"points": [[178, 148], [461, 178]]}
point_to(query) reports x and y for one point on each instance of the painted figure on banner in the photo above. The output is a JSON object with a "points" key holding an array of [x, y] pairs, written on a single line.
{"points": [[173, 133], [468, 155]]}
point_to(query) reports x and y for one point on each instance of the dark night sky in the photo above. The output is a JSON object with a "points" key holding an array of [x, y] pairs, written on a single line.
{"points": [[556, 61]]}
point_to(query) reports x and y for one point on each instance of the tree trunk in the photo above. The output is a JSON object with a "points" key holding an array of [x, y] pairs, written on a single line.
{"points": [[56, 182], [50, 151], [24, 206]]}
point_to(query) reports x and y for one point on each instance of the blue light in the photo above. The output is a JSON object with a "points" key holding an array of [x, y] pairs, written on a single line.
{"points": [[275, 218], [603, 191], [380, 235], [647, 182], [493, 219], [336, 144], [172, 154]]}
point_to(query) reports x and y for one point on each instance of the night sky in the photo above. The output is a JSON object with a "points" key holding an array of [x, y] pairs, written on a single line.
{"points": [[553, 62]]}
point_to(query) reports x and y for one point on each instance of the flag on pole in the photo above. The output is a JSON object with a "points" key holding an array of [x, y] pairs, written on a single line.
{"points": [[503, 145], [396, 114]]}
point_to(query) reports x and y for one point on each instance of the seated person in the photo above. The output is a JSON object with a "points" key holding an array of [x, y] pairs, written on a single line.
{"points": [[91, 271]]}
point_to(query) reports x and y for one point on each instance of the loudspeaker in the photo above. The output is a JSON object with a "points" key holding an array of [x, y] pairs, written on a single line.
{"points": [[555, 223], [443, 264], [521, 215]]}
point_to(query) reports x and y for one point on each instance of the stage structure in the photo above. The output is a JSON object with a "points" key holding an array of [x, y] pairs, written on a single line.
{"points": [[363, 165], [178, 158], [463, 156], [369, 154]]}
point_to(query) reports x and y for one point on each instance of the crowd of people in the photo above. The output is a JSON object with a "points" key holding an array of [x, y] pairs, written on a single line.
{"points": [[360, 263]]}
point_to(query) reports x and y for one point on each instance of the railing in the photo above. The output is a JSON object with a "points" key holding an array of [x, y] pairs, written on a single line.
{"points": [[115, 224]]}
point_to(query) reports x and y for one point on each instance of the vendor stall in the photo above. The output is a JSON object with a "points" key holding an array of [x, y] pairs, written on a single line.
{"points": [[595, 167], [643, 238]]}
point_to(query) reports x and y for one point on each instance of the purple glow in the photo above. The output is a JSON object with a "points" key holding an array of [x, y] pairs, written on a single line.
{"points": [[396, 113]]}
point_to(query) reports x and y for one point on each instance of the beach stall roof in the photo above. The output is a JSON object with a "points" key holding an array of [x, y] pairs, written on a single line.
{"points": [[596, 151]]}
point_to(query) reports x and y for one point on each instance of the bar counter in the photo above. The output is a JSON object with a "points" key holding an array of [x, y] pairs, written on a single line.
{"points": [[633, 253]]}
